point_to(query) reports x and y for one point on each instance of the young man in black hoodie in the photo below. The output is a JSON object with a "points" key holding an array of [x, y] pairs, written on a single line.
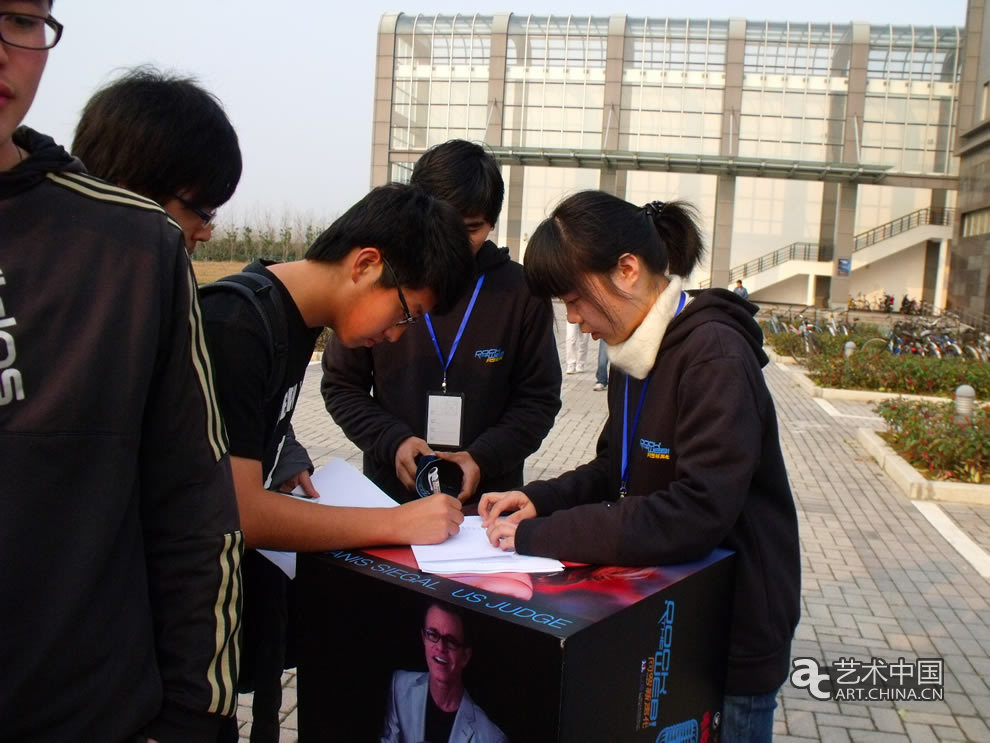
{"points": [[488, 370], [119, 599]]}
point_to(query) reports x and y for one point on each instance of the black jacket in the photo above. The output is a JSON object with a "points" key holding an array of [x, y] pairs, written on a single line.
{"points": [[120, 547], [706, 471], [506, 366]]}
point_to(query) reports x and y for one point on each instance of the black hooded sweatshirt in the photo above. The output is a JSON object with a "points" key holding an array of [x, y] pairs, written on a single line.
{"points": [[120, 540], [506, 365], [705, 471]]}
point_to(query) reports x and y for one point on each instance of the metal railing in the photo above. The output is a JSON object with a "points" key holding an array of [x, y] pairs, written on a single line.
{"points": [[800, 251], [940, 216]]}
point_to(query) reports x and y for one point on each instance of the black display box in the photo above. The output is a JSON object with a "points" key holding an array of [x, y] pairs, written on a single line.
{"points": [[590, 654]]}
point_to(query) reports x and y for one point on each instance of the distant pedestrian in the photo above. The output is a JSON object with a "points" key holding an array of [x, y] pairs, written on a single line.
{"points": [[576, 348], [741, 290], [601, 374]]}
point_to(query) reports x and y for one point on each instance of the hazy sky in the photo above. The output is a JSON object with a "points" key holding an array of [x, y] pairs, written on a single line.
{"points": [[297, 79]]}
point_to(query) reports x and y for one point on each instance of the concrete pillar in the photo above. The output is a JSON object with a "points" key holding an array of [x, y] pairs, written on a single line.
{"points": [[725, 188], [382, 122], [514, 197], [725, 201], [845, 225], [496, 79], [845, 220], [610, 180]]}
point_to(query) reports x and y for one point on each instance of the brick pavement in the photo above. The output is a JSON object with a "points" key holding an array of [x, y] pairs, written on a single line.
{"points": [[878, 580]]}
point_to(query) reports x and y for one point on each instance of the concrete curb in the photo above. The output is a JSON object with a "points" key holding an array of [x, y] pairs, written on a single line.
{"points": [[913, 483]]}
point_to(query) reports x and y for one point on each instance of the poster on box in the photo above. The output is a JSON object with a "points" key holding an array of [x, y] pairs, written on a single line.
{"points": [[388, 653]]}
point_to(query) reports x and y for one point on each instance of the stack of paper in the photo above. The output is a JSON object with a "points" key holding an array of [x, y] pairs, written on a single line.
{"points": [[469, 551]]}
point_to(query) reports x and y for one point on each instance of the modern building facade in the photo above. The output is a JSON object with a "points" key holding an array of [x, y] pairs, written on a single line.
{"points": [[820, 156], [969, 276]]}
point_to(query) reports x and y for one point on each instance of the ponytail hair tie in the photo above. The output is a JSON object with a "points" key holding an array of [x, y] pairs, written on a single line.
{"points": [[654, 208]]}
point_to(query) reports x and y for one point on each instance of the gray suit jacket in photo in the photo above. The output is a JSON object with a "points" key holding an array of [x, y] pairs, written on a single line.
{"points": [[406, 717]]}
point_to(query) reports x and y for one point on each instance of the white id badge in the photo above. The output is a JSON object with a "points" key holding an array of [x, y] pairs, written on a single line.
{"points": [[443, 419]]}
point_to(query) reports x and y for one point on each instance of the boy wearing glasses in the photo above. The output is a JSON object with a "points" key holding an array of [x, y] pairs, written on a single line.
{"points": [[119, 600], [164, 137], [394, 255], [481, 383]]}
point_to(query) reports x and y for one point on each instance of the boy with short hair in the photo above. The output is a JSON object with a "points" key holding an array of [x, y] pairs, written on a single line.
{"points": [[392, 257], [488, 368], [163, 136], [119, 601]]}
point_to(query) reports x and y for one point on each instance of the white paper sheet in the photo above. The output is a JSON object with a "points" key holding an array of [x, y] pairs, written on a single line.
{"points": [[339, 484], [469, 551]]}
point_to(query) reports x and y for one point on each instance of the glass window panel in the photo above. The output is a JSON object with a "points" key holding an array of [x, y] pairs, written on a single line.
{"points": [[713, 100], [534, 94], [478, 93], [629, 97], [712, 125], [553, 118], [459, 92], [573, 119], [478, 117], [553, 94], [533, 118], [513, 93], [916, 137], [511, 117], [438, 116], [458, 117], [418, 114], [593, 120], [573, 96], [920, 112], [440, 92], [594, 95]]}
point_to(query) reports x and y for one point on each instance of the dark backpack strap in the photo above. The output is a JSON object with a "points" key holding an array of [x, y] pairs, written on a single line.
{"points": [[259, 290]]}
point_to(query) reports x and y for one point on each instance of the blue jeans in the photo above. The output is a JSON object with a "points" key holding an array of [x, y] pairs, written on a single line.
{"points": [[601, 375], [748, 719]]}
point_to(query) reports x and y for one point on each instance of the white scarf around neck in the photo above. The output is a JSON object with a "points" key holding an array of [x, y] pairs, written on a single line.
{"points": [[637, 354]]}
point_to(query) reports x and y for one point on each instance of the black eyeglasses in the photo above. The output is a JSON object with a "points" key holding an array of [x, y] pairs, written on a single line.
{"points": [[408, 319], [206, 216], [448, 640], [27, 31]]}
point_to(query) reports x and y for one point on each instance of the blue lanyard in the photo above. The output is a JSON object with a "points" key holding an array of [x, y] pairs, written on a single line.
{"points": [[460, 331], [627, 435]]}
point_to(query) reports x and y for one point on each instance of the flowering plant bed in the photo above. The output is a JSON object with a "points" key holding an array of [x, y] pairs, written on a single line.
{"points": [[926, 435]]}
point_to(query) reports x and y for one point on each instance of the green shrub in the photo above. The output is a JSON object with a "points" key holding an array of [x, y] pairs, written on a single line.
{"points": [[925, 435], [914, 375]]}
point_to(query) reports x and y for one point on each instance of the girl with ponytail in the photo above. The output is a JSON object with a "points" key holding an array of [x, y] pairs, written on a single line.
{"points": [[689, 459]]}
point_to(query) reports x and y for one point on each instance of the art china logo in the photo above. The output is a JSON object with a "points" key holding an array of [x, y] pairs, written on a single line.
{"points": [[490, 355], [654, 449], [875, 680]]}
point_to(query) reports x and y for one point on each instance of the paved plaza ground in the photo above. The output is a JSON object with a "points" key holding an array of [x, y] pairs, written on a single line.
{"points": [[879, 580]]}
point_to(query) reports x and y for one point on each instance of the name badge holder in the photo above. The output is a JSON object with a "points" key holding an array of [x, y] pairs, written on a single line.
{"points": [[445, 410]]}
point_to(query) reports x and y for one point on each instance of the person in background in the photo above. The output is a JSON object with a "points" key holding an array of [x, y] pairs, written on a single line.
{"points": [[689, 458], [120, 594], [575, 349], [488, 368], [163, 136], [601, 373], [740, 290]]}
